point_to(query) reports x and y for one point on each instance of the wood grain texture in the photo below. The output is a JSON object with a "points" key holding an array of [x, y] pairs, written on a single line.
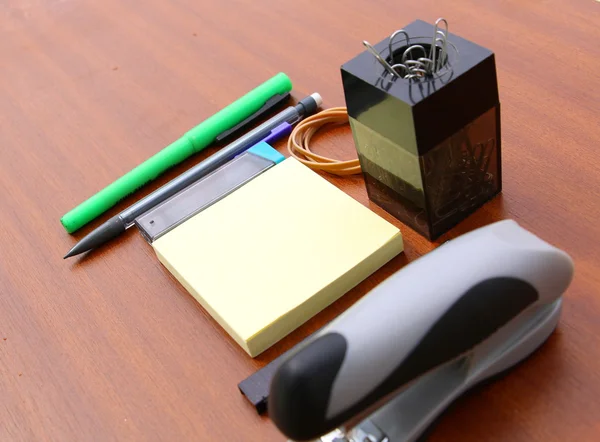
{"points": [[110, 347]]}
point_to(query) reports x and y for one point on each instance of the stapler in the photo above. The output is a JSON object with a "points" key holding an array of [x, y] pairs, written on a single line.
{"points": [[387, 368]]}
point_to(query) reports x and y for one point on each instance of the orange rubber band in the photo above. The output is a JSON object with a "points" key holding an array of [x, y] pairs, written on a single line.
{"points": [[299, 143]]}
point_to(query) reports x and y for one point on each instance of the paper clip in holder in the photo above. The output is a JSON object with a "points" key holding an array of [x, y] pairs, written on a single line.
{"points": [[207, 191]]}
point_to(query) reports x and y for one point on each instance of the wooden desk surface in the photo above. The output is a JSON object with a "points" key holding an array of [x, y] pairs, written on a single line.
{"points": [[110, 347]]}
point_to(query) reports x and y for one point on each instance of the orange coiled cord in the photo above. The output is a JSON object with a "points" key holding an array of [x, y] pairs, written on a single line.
{"points": [[299, 143]]}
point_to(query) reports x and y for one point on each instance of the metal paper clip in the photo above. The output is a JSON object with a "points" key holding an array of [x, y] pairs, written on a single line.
{"points": [[416, 61]]}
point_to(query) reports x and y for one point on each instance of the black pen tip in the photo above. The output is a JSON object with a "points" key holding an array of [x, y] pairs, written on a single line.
{"points": [[107, 231], [74, 251]]}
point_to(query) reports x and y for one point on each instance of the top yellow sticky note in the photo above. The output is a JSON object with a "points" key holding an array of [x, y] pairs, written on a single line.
{"points": [[271, 255]]}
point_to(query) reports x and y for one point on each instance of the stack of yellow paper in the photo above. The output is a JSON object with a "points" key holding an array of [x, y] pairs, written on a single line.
{"points": [[275, 252]]}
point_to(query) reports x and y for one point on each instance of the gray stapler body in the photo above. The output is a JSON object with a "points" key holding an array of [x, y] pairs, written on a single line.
{"points": [[392, 363]]}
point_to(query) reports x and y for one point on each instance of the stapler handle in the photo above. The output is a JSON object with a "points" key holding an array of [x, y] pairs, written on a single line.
{"points": [[431, 312]]}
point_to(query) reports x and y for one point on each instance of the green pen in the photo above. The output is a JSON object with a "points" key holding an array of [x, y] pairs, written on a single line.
{"points": [[231, 117]]}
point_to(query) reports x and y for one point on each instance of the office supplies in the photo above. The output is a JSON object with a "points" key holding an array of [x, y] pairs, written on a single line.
{"points": [[424, 111], [299, 143], [389, 365], [119, 223], [275, 252], [207, 191], [191, 142]]}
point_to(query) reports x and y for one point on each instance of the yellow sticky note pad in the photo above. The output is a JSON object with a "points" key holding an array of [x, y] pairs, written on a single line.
{"points": [[275, 252]]}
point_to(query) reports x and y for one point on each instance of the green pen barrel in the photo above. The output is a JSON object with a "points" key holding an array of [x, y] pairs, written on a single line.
{"points": [[191, 142]]}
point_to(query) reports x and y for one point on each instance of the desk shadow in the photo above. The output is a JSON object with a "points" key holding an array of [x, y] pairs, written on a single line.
{"points": [[491, 212]]}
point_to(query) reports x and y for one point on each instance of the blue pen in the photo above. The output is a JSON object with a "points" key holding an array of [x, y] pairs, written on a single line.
{"points": [[279, 132]]}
